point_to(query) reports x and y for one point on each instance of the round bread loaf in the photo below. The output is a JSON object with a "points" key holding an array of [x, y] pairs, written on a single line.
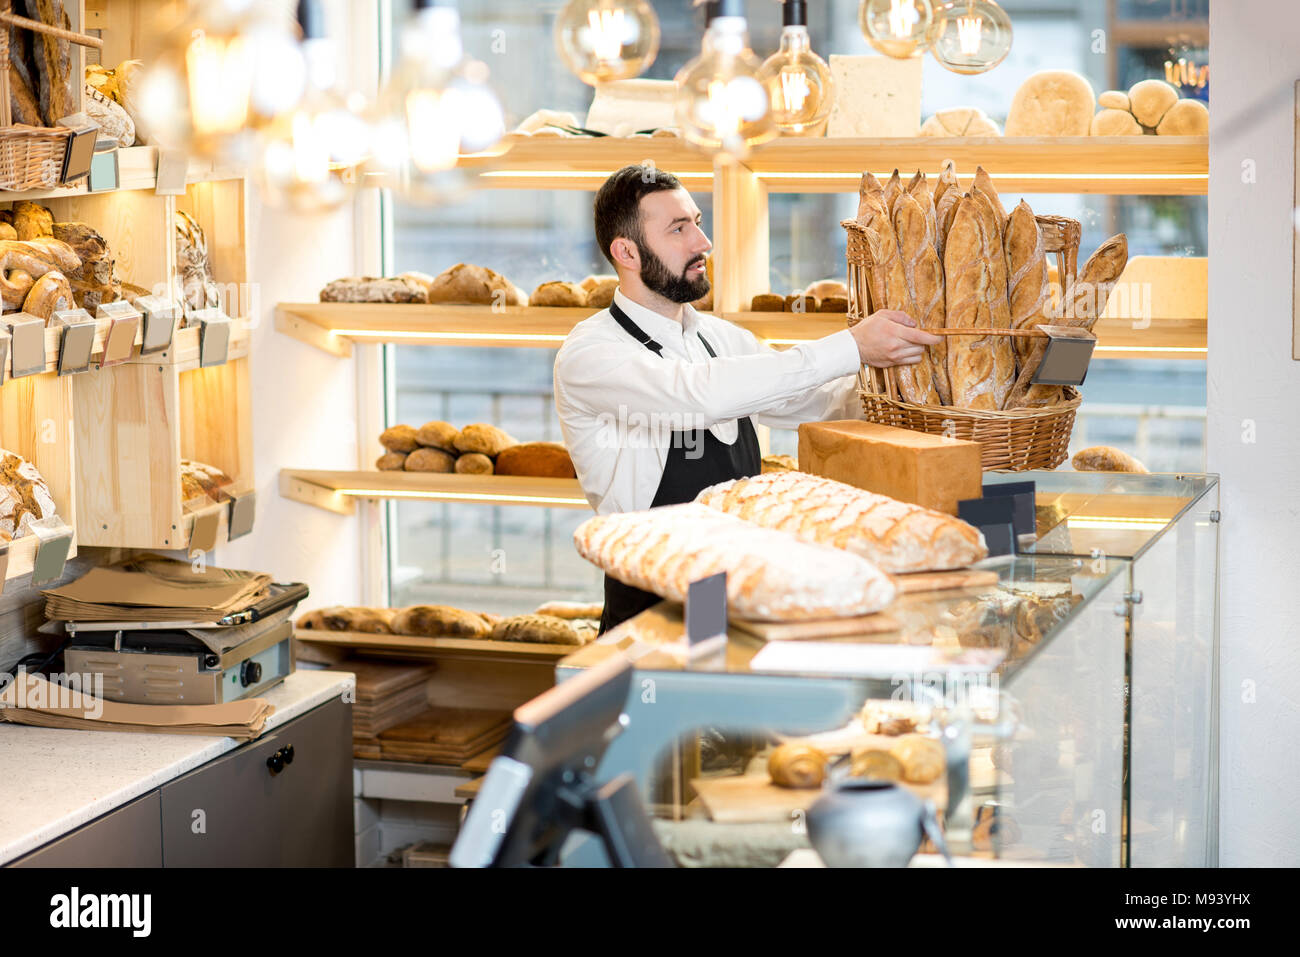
{"points": [[438, 621], [474, 285], [430, 460], [1052, 103], [1115, 123], [483, 438], [877, 764], [474, 463], [600, 290], [542, 629], [827, 287], [1185, 118], [1114, 100], [1150, 100], [537, 459], [922, 758], [796, 764], [399, 438], [558, 294], [391, 462], [438, 435]]}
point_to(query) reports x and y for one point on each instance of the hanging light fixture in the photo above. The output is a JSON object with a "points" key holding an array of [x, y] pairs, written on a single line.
{"points": [[970, 36], [798, 82], [308, 158], [897, 28], [604, 40], [721, 104], [435, 106]]}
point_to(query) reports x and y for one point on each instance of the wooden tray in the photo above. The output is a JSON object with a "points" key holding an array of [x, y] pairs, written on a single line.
{"points": [[450, 647], [878, 623], [945, 581], [753, 798]]}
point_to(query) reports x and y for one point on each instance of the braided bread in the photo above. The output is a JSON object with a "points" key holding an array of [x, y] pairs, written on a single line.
{"points": [[770, 576], [896, 536]]}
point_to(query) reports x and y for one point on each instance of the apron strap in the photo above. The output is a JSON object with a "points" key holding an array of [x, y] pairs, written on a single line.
{"points": [[640, 335]]}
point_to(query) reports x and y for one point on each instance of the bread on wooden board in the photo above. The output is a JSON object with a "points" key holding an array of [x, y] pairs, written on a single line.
{"points": [[399, 438], [474, 285], [484, 438], [430, 460], [438, 621], [438, 435], [557, 293], [537, 459], [474, 463]]}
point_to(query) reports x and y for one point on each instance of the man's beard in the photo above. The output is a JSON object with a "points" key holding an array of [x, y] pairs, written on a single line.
{"points": [[658, 278]]}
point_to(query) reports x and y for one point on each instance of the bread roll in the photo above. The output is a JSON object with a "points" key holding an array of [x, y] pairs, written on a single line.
{"points": [[960, 121], [779, 463], [976, 366], [430, 460], [797, 765], [542, 629], [875, 764], [571, 610], [483, 438], [1104, 458], [32, 221], [1185, 118], [399, 438], [8, 233], [767, 302], [1052, 103], [474, 463], [1114, 100], [922, 757], [391, 462], [1027, 274], [769, 577], [438, 435], [825, 288], [50, 294], [474, 285], [558, 294], [1150, 100], [370, 621], [924, 278], [438, 621], [600, 291], [538, 459], [895, 536], [1115, 123]]}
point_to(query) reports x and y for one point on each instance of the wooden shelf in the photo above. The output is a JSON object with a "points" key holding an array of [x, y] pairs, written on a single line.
{"points": [[137, 168], [1149, 165], [336, 490], [477, 648]]}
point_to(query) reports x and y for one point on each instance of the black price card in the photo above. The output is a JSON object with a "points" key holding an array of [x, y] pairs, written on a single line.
{"points": [[1022, 495], [993, 517], [706, 611]]}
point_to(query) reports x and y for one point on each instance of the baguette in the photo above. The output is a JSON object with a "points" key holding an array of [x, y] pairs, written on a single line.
{"points": [[1027, 284], [946, 180], [892, 189], [924, 278], [1004, 357], [769, 575], [971, 361], [919, 189], [895, 536], [871, 196], [438, 621], [984, 182], [945, 212]]}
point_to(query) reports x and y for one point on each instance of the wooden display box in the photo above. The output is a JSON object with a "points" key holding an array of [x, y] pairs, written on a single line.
{"points": [[36, 423]]}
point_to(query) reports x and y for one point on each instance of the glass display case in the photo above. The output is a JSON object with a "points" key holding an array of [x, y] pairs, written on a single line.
{"points": [[1074, 697]]}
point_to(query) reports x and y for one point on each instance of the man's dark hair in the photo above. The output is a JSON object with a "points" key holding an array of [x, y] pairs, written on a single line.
{"points": [[618, 203]]}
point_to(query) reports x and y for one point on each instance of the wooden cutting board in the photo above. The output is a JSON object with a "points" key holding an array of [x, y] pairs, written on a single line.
{"points": [[823, 628], [753, 798], [449, 727], [376, 679], [945, 581], [481, 760]]}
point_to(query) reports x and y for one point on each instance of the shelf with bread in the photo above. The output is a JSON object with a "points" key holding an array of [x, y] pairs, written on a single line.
{"points": [[1149, 165]]}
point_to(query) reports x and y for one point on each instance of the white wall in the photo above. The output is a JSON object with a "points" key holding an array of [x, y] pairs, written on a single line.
{"points": [[1253, 383]]}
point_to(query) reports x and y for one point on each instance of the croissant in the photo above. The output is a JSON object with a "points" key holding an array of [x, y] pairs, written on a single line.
{"points": [[922, 758], [797, 765], [875, 763]]}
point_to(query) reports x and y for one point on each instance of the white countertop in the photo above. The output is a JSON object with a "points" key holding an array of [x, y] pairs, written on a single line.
{"points": [[53, 780]]}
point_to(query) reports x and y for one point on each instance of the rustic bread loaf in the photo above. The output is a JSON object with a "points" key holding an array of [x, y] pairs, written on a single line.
{"points": [[391, 462], [767, 302], [474, 285], [399, 438], [799, 303], [1185, 118], [919, 189], [49, 294], [960, 121], [438, 435], [921, 756], [23, 105], [984, 183], [1052, 103], [24, 496], [924, 277], [430, 460], [571, 610], [876, 764], [1027, 274], [558, 294], [200, 480], [600, 290], [1104, 458], [483, 438], [543, 629], [538, 459], [827, 288], [473, 463], [770, 575], [32, 221], [979, 370], [371, 289], [1150, 100], [438, 621], [895, 536]]}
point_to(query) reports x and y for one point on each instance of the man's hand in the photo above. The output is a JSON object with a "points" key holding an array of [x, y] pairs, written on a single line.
{"points": [[888, 337]]}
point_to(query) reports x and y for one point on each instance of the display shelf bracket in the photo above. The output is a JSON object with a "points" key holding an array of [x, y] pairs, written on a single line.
{"points": [[298, 326], [309, 493]]}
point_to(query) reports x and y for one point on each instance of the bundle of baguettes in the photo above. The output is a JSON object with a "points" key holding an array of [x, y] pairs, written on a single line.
{"points": [[771, 576], [955, 259], [896, 536]]}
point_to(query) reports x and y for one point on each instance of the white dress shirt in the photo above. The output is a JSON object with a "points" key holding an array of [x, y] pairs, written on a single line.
{"points": [[619, 403]]}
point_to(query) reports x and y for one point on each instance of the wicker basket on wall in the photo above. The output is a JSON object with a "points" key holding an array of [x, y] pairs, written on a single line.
{"points": [[1013, 440]]}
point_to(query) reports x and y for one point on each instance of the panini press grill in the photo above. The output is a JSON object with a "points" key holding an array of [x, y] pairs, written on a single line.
{"points": [[189, 662]]}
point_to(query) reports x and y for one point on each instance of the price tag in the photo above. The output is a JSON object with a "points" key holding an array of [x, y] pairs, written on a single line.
{"points": [[1066, 358], [242, 509], [706, 614], [204, 536], [119, 341], [172, 167], [103, 170], [53, 543], [993, 517], [1022, 494], [159, 316], [214, 337], [27, 345], [77, 341], [81, 146]]}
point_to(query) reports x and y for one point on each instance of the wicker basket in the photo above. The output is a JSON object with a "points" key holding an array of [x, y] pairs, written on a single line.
{"points": [[1014, 440]]}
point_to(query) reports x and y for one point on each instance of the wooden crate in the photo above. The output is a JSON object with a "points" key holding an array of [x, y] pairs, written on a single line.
{"points": [[220, 208], [36, 423]]}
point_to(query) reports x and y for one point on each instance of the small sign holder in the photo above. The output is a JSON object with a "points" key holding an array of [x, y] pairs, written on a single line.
{"points": [[1066, 358], [1024, 520], [77, 341], [214, 336], [4, 565], [995, 518], [706, 615], [119, 341], [204, 536], [103, 168], [170, 177], [159, 317], [5, 339], [27, 344], [53, 543], [242, 511], [81, 147]]}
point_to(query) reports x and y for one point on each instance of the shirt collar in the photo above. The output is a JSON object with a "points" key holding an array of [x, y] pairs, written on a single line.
{"points": [[657, 327]]}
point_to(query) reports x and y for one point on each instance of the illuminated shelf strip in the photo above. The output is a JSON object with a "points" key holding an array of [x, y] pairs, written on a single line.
{"points": [[854, 175], [462, 496], [1119, 524], [1201, 349], [476, 336], [577, 174]]}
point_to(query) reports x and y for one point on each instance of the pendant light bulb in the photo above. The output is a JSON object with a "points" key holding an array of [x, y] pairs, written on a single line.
{"points": [[799, 86], [605, 40], [436, 105], [970, 36], [897, 28], [722, 105]]}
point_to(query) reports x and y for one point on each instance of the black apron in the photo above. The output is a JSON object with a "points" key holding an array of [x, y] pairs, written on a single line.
{"points": [[683, 479]]}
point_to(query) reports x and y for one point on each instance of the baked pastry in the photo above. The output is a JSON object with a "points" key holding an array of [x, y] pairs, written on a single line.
{"points": [[924, 277], [370, 621], [54, 251], [438, 435], [558, 294], [197, 286], [895, 536], [113, 121], [538, 459], [438, 621], [430, 460], [24, 496], [826, 288], [797, 765], [483, 438], [767, 302], [92, 278], [779, 463], [399, 438], [769, 576], [23, 262], [980, 370], [8, 233], [1150, 100], [571, 610], [960, 121], [600, 290], [473, 463], [875, 764], [50, 294], [1052, 103], [474, 285], [1115, 100], [32, 221], [1112, 122], [1185, 118], [371, 289], [1104, 458], [1027, 285], [542, 629], [391, 462], [922, 757], [199, 480]]}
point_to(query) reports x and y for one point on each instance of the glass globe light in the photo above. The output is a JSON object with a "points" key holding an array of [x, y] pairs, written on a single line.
{"points": [[604, 40], [721, 104], [798, 82], [970, 36], [435, 106], [897, 28]]}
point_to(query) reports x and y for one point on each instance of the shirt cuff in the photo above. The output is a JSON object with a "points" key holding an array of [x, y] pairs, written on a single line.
{"points": [[837, 354]]}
